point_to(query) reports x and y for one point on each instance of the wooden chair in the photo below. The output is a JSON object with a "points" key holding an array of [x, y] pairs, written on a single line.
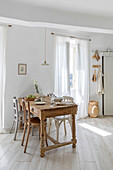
{"points": [[30, 123], [59, 119], [17, 115]]}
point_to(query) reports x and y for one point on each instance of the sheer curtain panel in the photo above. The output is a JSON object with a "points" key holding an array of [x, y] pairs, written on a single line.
{"points": [[80, 70], [2, 73], [82, 79], [61, 76]]}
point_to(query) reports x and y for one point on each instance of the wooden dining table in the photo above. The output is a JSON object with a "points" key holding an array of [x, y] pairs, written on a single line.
{"points": [[50, 110]]}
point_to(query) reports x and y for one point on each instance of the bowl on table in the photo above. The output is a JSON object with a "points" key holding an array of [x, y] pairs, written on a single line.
{"points": [[40, 103], [37, 100], [58, 99], [29, 98]]}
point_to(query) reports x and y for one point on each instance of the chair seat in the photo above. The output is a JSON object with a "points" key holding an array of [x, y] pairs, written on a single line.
{"points": [[61, 117], [35, 121], [21, 113]]}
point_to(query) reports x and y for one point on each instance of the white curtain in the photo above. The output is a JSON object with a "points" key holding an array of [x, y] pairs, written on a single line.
{"points": [[82, 73], [61, 76], [2, 72]]}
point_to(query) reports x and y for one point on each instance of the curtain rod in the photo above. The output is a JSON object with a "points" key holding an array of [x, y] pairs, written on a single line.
{"points": [[105, 51], [52, 33]]}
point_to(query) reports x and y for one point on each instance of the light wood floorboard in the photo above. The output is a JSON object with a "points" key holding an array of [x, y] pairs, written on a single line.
{"points": [[88, 166], [93, 151], [20, 166]]}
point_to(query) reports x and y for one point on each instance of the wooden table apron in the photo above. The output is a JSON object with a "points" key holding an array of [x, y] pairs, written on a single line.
{"points": [[48, 111]]}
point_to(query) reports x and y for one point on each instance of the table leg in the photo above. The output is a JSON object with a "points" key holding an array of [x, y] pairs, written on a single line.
{"points": [[73, 131], [42, 138]]}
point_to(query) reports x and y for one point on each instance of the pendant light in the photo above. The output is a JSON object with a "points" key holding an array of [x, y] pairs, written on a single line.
{"points": [[45, 63]]}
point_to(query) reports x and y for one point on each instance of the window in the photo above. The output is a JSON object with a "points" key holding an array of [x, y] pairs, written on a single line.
{"points": [[72, 67]]}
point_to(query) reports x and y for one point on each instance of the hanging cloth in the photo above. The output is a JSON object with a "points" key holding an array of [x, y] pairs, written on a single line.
{"points": [[100, 89]]}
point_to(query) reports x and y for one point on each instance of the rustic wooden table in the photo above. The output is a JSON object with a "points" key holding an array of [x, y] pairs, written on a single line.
{"points": [[48, 111]]}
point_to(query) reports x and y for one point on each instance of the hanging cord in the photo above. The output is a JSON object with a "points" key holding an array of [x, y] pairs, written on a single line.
{"points": [[45, 63], [45, 44]]}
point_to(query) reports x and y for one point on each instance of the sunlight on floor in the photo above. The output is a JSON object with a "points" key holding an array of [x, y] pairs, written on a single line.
{"points": [[95, 129]]}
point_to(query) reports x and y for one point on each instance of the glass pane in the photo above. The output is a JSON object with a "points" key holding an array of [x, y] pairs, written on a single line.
{"points": [[72, 67]]}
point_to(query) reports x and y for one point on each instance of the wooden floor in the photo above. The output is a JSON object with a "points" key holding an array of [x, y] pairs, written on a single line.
{"points": [[94, 150]]}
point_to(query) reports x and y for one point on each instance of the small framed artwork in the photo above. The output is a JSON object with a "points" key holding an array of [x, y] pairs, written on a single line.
{"points": [[22, 69]]}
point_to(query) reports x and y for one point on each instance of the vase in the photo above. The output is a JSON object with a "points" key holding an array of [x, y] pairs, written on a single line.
{"points": [[93, 109], [37, 95]]}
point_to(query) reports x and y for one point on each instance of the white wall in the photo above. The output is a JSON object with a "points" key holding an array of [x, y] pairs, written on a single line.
{"points": [[25, 45], [99, 42]]}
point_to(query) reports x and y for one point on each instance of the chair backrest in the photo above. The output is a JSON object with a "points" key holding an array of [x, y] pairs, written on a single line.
{"points": [[15, 105], [26, 104], [68, 99]]}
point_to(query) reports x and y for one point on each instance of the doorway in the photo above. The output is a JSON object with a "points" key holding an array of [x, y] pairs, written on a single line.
{"points": [[108, 85]]}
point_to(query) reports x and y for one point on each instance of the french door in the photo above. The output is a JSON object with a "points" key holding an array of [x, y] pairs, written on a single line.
{"points": [[108, 85]]}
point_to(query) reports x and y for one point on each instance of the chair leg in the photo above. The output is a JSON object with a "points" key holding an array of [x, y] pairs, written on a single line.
{"points": [[30, 129], [57, 131], [12, 126], [28, 132], [46, 134], [49, 125], [65, 127], [70, 122], [33, 131], [16, 129], [39, 133], [56, 123], [25, 127]]}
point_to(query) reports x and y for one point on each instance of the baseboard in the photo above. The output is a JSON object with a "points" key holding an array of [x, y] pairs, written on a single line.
{"points": [[4, 130]]}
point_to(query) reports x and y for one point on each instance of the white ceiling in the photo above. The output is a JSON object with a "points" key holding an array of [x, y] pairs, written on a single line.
{"points": [[94, 7], [42, 13]]}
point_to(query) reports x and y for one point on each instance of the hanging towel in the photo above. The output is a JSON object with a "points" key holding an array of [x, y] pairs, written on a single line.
{"points": [[100, 89]]}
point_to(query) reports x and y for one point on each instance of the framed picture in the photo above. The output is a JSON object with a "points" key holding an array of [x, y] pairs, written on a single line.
{"points": [[22, 69]]}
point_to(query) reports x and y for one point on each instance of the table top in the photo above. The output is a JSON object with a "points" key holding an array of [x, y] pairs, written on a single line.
{"points": [[48, 110], [49, 106]]}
